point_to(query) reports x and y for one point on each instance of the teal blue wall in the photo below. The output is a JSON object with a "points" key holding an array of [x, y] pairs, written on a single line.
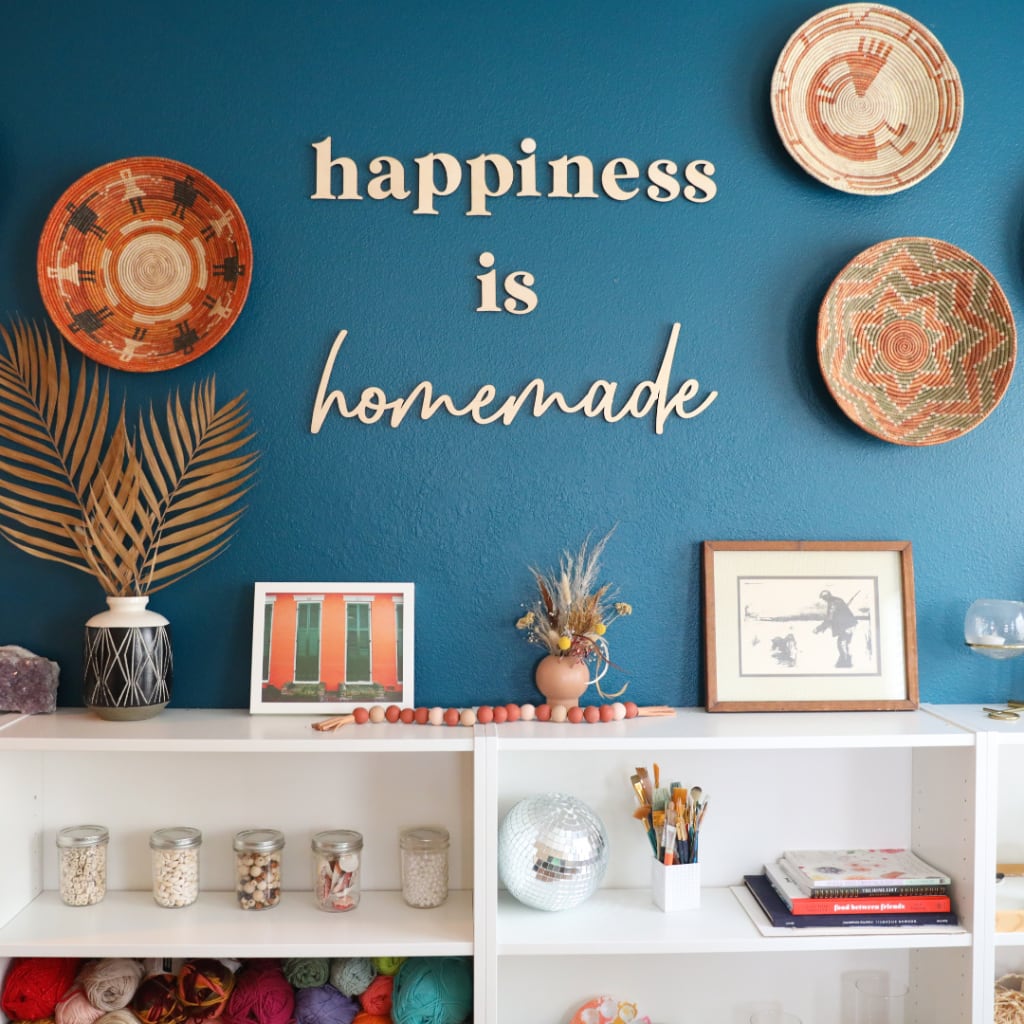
{"points": [[241, 91]]}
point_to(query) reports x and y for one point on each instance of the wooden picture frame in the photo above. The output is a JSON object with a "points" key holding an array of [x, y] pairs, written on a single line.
{"points": [[326, 648], [810, 626]]}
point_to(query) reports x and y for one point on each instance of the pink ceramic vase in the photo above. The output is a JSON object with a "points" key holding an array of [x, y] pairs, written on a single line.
{"points": [[562, 680]]}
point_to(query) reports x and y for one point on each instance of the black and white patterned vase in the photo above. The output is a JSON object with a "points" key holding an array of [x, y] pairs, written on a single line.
{"points": [[128, 664]]}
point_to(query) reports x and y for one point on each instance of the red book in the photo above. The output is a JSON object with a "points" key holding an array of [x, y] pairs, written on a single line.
{"points": [[798, 903]]}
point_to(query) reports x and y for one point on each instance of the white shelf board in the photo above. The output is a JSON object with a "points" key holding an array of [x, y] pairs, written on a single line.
{"points": [[974, 717], [131, 924], [220, 729], [696, 729], [626, 922]]}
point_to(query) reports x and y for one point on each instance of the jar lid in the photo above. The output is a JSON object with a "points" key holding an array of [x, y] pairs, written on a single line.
{"points": [[82, 835], [424, 837], [339, 840], [181, 837], [259, 840]]}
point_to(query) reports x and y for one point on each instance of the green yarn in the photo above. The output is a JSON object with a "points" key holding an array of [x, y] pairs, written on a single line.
{"points": [[306, 971], [388, 964], [351, 975], [433, 990]]}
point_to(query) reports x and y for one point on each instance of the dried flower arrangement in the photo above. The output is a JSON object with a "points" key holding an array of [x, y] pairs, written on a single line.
{"points": [[137, 511], [573, 610]]}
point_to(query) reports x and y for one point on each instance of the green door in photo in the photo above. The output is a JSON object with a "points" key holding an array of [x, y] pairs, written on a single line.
{"points": [[357, 646], [307, 642]]}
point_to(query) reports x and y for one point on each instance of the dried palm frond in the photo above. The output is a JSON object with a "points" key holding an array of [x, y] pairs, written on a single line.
{"points": [[138, 511]]}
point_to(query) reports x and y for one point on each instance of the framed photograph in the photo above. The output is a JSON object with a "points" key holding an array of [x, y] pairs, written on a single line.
{"points": [[809, 626], [325, 648]]}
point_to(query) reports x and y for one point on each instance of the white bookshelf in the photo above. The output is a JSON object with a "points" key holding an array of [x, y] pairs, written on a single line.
{"points": [[922, 779]]}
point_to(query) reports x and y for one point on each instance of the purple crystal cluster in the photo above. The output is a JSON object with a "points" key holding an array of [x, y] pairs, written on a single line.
{"points": [[28, 683]]}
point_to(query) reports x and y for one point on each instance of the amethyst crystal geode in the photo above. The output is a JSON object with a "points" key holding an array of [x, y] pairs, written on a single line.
{"points": [[28, 682]]}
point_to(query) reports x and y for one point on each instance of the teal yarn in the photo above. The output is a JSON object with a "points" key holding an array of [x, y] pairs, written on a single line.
{"points": [[351, 975], [433, 990], [306, 971]]}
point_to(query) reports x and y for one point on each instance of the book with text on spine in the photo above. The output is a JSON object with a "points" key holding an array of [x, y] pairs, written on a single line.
{"points": [[798, 903], [835, 870], [776, 912]]}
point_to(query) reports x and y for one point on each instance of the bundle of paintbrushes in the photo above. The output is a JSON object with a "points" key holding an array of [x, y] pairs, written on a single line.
{"points": [[672, 816]]}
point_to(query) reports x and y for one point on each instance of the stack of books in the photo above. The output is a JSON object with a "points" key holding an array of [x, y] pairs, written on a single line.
{"points": [[852, 888]]}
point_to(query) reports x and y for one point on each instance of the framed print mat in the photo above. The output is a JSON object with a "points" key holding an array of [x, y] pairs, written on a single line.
{"points": [[325, 648], [809, 626]]}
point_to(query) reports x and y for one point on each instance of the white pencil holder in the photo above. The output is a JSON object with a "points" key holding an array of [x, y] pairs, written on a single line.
{"points": [[675, 887]]}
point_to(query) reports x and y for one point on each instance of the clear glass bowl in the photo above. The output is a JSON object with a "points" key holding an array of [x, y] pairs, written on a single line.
{"points": [[995, 627]]}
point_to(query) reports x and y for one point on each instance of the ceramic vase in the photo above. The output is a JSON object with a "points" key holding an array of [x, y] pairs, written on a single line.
{"points": [[128, 665], [562, 680]]}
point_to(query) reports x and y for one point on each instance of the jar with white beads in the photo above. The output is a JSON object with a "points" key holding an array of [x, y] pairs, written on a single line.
{"points": [[424, 852], [337, 855], [258, 867], [174, 853], [82, 851]]}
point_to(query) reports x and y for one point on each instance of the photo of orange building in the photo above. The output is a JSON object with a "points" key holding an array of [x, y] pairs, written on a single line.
{"points": [[316, 643]]}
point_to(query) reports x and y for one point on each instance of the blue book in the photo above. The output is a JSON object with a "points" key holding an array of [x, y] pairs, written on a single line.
{"points": [[777, 912]]}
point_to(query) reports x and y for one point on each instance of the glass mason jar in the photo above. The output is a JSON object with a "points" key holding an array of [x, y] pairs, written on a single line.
{"points": [[174, 853], [83, 864], [424, 853], [258, 867], [336, 862]]}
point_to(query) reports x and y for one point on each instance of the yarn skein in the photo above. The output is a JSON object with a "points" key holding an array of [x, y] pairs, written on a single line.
{"points": [[156, 1000], [324, 1005], [109, 984], [34, 985], [204, 986], [370, 1018], [123, 1016], [75, 1008], [262, 995], [387, 964], [377, 997], [433, 990], [352, 975], [307, 971]]}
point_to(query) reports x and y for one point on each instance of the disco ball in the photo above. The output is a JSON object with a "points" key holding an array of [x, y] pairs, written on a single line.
{"points": [[552, 851]]}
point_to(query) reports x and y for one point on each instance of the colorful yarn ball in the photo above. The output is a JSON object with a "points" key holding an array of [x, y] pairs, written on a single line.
{"points": [[307, 971], [352, 975], [377, 997], [34, 985], [370, 1018], [111, 983], [262, 995], [75, 1008], [204, 987], [387, 964], [433, 990], [156, 1000], [324, 1005]]}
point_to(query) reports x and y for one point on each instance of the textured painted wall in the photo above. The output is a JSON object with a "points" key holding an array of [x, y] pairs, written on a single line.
{"points": [[461, 509]]}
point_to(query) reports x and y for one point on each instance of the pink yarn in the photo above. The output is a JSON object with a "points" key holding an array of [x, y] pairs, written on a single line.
{"points": [[75, 1008], [262, 995]]}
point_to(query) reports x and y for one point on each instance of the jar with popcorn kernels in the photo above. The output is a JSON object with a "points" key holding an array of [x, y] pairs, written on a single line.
{"points": [[258, 867], [174, 853], [424, 854]]}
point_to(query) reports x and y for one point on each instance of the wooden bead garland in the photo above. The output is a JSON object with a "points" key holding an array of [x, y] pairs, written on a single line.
{"points": [[485, 714]]}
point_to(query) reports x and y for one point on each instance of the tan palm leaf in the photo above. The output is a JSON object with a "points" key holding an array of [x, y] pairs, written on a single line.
{"points": [[139, 511]]}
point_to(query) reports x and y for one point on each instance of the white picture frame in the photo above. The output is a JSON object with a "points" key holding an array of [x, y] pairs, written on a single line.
{"points": [[326, 648]]}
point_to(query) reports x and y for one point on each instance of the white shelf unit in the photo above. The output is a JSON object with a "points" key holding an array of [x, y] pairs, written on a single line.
{"points": [[223, 771], [775, 781]]}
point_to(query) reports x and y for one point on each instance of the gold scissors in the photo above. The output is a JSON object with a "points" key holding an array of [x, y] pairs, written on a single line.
{"points": [[1005, 714]]}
